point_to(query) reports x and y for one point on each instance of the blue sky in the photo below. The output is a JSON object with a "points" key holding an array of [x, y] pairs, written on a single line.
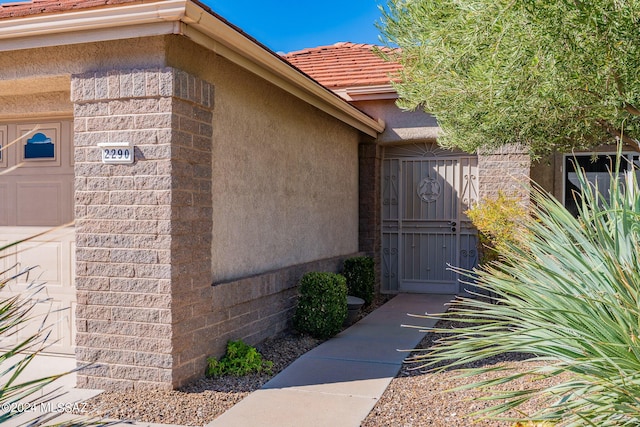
{"points": [[289, 25]]}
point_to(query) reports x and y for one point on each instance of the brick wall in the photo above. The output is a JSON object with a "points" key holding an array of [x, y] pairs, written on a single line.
{"points": [[256, 307], [507, 170], [143, 231], [147, 314], [370, 219]]}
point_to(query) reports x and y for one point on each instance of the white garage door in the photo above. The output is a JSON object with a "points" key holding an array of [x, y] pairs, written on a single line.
{"points": [[36, 194]]}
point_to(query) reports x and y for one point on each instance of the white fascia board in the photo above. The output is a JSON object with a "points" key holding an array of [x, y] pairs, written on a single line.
{"points": [[368, 93], [92, 19], [90, 36]]}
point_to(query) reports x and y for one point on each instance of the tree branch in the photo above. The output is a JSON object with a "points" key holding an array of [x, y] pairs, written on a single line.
{"points": [[627, 107], [615, 132], [631, 109]]}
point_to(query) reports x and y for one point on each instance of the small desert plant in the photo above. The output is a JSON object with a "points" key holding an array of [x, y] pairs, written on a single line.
{"points": [[16, 313], [240, 359], [499, 222], [360, 277], [322, 305], [569, 295]]}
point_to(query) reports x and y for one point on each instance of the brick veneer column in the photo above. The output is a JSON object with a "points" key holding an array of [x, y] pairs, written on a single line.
{"points": [[506, 169], [143, 231], [369, 170]]}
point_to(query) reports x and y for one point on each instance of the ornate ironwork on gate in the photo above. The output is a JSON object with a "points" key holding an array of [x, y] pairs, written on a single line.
{"points": [[426, 191]]}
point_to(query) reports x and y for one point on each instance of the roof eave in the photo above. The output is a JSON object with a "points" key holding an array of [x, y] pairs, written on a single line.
{"points": [[367, 93], [212, 32], [179, 17], [105, 22]]}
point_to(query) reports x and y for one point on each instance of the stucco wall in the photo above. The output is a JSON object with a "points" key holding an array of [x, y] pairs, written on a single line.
{"points": [[297, 196], [35, 82], [285, 175], [35, 105], [80, 58], [547, 173], [401, 126]]}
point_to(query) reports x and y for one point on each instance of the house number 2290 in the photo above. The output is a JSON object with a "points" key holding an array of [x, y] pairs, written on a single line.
{"points": [[116, 152]]}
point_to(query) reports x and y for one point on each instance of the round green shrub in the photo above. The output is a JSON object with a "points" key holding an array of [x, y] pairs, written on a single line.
{"points": [[322, 305], [360, 275]]}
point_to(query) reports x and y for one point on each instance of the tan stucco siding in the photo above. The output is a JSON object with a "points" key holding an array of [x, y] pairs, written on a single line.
{"points": [[401, 126], [285, 175], [35, 105], [81, 58], [36, 82], [547, 173]]}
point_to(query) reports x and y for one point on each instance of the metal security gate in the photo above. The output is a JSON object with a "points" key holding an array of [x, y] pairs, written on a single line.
{"points": [[424, 229]]}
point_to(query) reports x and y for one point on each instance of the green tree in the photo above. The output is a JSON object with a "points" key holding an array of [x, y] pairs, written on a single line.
{"points": [[548, 74]]}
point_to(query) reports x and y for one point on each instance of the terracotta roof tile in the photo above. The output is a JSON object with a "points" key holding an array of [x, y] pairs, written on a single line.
{"points": [[34, 7], [344, 65]]}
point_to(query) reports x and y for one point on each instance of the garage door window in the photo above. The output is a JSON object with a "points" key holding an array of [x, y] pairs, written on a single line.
{"points": [[36, 186]]}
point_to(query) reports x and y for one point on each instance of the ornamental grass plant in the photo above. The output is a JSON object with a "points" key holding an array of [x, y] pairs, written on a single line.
{"points": [[19, 348], [568, 295], [15, 313], [25, 334]]}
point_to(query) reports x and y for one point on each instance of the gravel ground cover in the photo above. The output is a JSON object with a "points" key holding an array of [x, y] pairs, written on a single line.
{"points": [[205, 399], [414, 398], [419, 398]]}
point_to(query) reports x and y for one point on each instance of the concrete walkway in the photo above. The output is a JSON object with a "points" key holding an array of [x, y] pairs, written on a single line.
{"points": [[338, 383]]}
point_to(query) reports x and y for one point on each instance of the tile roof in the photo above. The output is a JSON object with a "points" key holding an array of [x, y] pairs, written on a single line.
{"points": [[34, 7], [345, 64]]}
